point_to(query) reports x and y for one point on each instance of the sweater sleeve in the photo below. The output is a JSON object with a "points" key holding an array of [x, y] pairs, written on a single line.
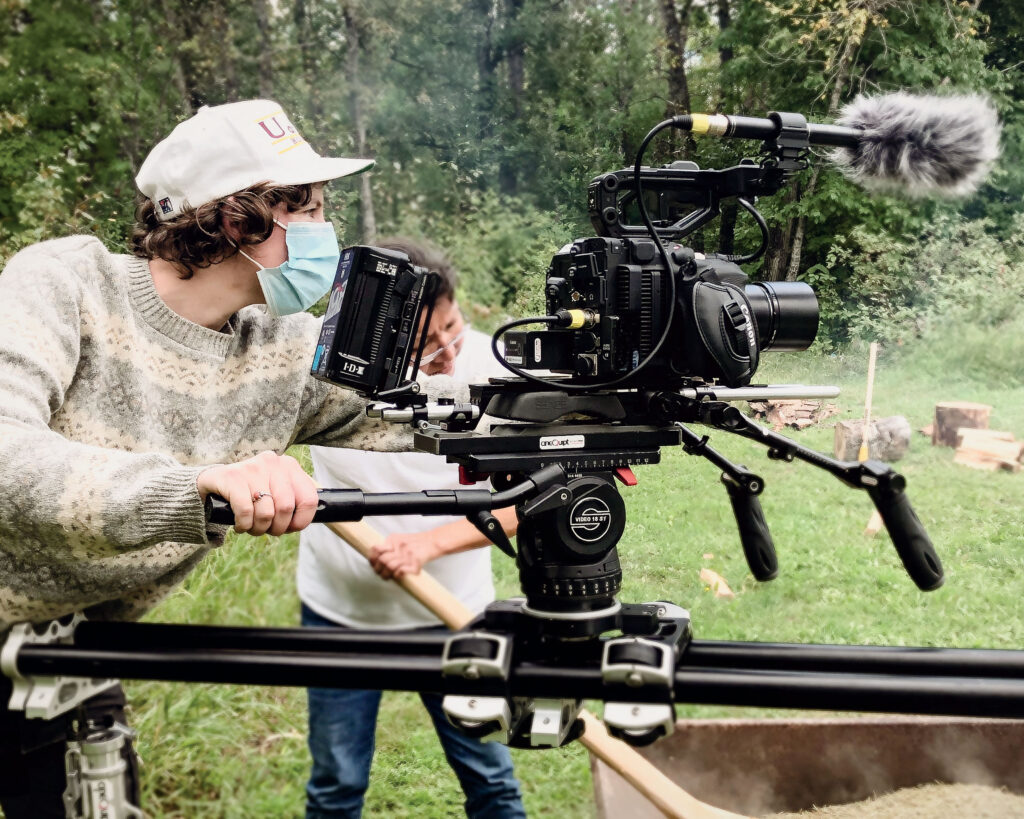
{"points": [[78, 500]]}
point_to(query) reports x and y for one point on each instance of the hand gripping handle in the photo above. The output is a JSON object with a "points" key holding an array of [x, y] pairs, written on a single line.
{"points": [[909, 537], [332, 505], [754, 535], [345, 505]]}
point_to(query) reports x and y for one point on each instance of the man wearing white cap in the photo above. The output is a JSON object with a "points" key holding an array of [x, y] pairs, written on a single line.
{"points": [[131, 387]]}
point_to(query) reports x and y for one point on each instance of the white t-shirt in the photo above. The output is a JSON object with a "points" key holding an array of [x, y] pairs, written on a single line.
{"points": [[337, 582]]}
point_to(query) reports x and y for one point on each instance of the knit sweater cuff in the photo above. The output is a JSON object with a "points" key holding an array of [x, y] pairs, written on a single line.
{"points": [[174, 509]]}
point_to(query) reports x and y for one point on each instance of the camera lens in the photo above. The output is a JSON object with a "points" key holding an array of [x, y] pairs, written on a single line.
{"points": [[786, 314]]}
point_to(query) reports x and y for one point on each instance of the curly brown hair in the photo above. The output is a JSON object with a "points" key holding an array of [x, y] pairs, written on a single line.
{"points": [[197, 238]]}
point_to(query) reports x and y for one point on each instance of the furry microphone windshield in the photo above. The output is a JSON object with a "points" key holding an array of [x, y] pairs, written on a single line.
{"points": [[920, 145]]}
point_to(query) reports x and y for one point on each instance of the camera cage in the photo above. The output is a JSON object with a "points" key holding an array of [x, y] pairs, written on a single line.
{"points": [[529, 663]]}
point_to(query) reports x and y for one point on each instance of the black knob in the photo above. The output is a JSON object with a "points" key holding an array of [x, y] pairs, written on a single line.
{"points": [[584, 366]]}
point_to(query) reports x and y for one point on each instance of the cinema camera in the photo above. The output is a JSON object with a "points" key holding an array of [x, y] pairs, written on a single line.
{"points": [[642, 337], [642, 334]]}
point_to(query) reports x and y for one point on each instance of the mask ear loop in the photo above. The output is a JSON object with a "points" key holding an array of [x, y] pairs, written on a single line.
{"points": [[235, 244]]}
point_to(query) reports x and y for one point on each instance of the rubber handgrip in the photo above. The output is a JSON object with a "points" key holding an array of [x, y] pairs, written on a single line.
{"points": [[909, 537], [219, 511], [333, 505], [754, 535]]}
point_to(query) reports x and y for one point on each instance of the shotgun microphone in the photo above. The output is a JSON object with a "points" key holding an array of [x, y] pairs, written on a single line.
{"points": [[894, 143]]}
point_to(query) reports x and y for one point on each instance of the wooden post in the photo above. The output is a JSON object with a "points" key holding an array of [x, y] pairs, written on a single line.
{"points": [[872, 356], [875, 522], [662, 792]]}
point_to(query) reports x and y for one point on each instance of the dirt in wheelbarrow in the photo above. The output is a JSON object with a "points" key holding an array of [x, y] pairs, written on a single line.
{"points": [[937, 801]]}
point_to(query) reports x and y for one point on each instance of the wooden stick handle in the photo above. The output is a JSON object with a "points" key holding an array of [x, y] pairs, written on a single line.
{"points": [[872, 355], [662, 792], [424, 588]]}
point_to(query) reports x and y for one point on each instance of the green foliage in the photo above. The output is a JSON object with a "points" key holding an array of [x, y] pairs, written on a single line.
{"points": [[501, 248], [955, 273], [77, 99]]}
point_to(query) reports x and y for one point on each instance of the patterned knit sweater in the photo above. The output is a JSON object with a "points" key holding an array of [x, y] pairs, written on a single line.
{"points": [[110, 406]]}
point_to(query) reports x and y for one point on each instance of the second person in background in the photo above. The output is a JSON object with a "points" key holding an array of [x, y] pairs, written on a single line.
{"points": [[339, 587]]}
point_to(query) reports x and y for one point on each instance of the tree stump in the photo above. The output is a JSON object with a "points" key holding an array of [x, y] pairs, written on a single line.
{"points": [[888, 438], [952, 415]]}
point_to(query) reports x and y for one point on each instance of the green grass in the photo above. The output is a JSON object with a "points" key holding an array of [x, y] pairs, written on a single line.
{"points": [[234, 751]]}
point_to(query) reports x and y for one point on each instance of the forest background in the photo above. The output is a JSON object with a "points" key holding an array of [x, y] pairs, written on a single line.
{"points": [[489, 117]]}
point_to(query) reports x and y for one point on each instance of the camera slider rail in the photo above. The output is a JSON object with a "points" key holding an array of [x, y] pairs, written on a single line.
{"points": [[502, 682]]}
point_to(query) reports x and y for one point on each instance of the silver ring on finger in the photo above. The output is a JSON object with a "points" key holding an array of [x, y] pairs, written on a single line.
{"points": [[258, 495]]}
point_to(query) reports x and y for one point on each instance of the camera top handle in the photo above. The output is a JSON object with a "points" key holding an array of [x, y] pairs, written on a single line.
{"points": [[786, 143]]}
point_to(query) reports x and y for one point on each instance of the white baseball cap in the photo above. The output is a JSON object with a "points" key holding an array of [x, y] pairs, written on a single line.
{"points": [[228, 148]]}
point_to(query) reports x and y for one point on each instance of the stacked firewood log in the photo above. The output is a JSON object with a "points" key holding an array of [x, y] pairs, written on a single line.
{"points": [[797, 413], [988, 449], [964, 426]]}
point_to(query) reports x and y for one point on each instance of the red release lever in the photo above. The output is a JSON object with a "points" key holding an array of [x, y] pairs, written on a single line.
{"points": [[468, 477], [625, 474]]}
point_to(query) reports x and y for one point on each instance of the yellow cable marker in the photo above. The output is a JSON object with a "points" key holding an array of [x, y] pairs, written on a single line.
{"points": [[701, 123], [578, 319]]}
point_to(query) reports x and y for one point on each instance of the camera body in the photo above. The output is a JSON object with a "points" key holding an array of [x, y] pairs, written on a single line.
{"points": [[624, 287]]}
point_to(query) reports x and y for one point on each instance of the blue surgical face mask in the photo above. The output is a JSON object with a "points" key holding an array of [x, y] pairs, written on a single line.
{"points": [[308, 272]]}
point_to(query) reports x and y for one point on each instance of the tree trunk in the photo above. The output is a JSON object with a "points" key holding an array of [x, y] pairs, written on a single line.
{"points": [[175, 33], [724, 14], [793, 270], [730, 210], [727, 228], [355, 36], [677, 31], [780, 242], [219, 37], [486, 66], [515, 55], [842, 75], [261, 9], [309, 50]]}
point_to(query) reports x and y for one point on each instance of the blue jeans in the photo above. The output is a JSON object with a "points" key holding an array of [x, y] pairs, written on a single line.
{"points": [[341, 740]]}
